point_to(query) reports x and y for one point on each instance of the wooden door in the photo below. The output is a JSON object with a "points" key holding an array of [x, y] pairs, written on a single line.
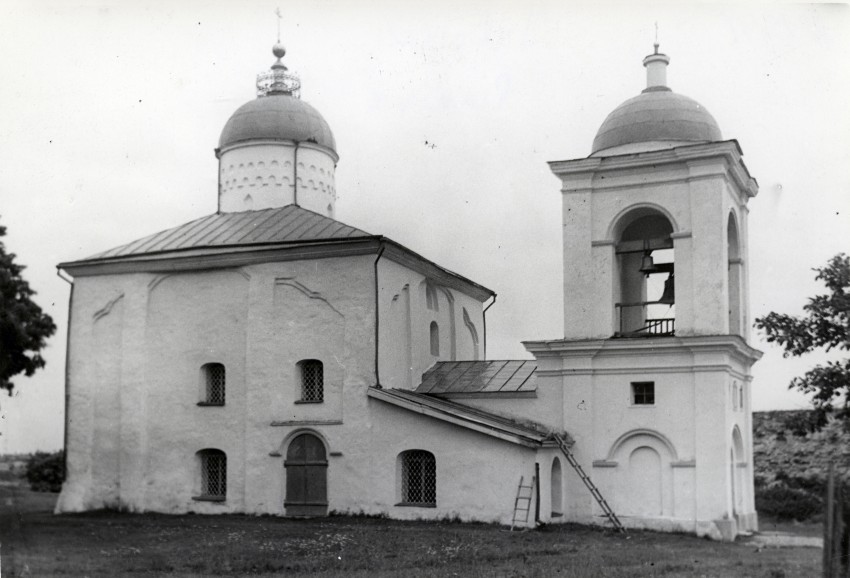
{"points": [[306, 477]]}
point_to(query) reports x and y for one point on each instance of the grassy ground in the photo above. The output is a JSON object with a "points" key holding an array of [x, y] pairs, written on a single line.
{"points": [[34, 542]]}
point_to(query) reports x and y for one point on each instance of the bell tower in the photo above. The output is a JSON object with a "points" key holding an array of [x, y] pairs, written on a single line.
{"points": [[655, 348]]}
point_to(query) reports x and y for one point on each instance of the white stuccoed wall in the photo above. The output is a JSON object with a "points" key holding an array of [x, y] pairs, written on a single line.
{"points": [[405, 325], [138, 342], [260, 175]]}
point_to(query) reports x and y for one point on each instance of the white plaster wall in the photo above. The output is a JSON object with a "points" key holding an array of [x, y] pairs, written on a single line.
{"points": [[477, 475], [100, 443], [689, 426], [261, 176], [138, 343], [404, 343]]}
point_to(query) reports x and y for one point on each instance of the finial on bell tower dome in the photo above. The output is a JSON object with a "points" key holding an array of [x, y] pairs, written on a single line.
{"points": [[278, 80]]}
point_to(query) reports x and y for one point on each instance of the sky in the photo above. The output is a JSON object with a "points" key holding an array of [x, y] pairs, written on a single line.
{"points": [[445, 116]]}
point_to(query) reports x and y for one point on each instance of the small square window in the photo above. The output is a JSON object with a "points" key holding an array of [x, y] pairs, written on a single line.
{"points": [[643, 393]]}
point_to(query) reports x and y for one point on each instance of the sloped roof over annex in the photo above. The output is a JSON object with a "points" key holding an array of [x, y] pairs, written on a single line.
{"points": [[501, 378], [231, 239], [521, 432]]}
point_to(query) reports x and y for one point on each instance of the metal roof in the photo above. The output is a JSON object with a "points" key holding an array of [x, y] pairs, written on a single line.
{"points": [[522, 432], [448, 377], [277, 117], [659, 115], [289, 224]]}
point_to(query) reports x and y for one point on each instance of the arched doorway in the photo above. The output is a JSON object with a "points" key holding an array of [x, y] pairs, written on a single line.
{"points": [[557, 492], [306, 477]]}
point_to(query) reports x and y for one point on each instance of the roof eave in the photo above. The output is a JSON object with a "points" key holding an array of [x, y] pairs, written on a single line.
{"points": [[195, 258], [527, 440]]}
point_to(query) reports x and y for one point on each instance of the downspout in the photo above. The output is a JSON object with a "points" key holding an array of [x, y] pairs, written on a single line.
{"points": [[67, 370], [377, 320], [485, 325], [295, 175]]}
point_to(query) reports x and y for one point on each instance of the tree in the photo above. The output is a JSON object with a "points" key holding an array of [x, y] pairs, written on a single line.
{"points": [[24, 327], [825, 325]]}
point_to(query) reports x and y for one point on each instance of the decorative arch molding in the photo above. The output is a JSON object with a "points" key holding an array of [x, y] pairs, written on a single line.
{"points": [[452, 328], [615, 447], [405, 288], [733, 224], [621, 220], [107, 309], [287, 439], [738, 444], [154, 283], [472, 331], [290, 281]]}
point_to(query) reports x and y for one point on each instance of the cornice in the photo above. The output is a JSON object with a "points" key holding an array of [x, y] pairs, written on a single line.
{"points": [[576, 174], [240, 256], [639, 347], [277, 142]]}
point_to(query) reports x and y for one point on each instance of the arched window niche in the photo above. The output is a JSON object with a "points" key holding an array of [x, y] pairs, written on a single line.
{"points": [[434, 338], [644, 275]]}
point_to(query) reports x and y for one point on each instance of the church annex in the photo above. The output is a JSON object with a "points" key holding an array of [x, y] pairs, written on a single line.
{"points": [[270, 359]]}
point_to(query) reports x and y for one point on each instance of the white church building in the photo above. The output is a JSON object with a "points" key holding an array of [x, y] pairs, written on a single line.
{"points": [[270, 359]]}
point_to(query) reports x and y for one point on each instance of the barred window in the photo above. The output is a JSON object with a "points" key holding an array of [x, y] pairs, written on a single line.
{"points": [[435, 339], [418, 478], [213, 474], [312, 380], [643, 393], [214, 377]]}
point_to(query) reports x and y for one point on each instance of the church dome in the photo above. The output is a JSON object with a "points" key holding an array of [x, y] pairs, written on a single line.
{"points": [[658, 117], [277, 116], [277, 150]]}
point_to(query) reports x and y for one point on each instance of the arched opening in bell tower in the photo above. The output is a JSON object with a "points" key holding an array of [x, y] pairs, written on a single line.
{"points": [[736, 264], [644, 274]]}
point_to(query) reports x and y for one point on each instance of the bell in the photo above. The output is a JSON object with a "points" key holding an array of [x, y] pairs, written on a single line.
{"points": [[669, 295], [647, 265]]}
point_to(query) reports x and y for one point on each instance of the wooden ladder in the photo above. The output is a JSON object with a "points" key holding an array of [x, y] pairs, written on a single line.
{"points": [[562, 443], [523, 499]]}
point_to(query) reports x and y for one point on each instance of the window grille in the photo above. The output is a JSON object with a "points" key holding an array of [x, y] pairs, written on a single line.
{"points": [[418, 478], [215, 376], [213, 474], [312, 380], [435, 339], [643, 393]]}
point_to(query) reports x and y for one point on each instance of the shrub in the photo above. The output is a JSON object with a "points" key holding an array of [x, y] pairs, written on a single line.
{"points": [[46, 471], [786, 503]]}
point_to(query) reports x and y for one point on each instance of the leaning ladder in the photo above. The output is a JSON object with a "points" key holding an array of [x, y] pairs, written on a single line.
{"points": [[522, 504], [562, 443]]}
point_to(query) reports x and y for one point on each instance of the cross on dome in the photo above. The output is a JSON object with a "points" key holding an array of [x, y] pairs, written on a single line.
{"points": [[278, 80]]}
